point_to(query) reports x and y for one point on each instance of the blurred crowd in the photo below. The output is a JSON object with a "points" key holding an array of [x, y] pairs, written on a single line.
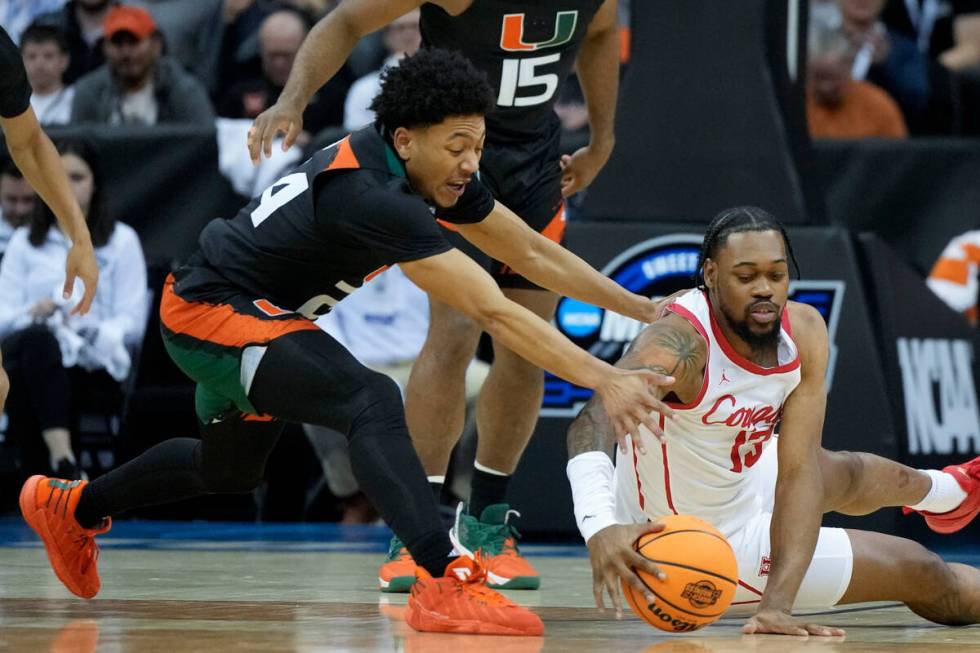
{"points": [[876, 68]]}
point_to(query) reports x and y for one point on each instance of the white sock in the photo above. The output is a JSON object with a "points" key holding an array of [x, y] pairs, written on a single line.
{"points": [[944, 495], [488, 470]]}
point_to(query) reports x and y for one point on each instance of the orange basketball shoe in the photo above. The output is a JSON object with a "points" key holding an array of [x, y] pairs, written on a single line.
{"points": [[460, 603], [397, 574], [48, 506], [495, 539], [968, 476]]}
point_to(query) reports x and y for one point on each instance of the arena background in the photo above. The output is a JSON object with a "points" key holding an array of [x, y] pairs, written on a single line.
{"points": [[696, 132]]}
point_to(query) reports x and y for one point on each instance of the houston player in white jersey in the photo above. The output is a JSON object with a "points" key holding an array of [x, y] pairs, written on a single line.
{"points": [[745, 361]]}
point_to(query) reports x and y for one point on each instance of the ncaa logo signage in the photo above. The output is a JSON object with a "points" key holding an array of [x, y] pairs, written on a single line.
{"points": [[655, 268]]}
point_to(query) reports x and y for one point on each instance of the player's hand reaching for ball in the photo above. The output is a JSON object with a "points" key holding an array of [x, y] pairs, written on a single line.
{"points": [[283, 117], [777, 622], [628, 398], [613, 557]]}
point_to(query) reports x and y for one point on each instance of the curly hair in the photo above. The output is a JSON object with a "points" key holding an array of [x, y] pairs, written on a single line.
{"points": [[428, 87]]}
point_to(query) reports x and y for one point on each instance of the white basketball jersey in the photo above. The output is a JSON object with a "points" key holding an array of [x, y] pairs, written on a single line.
{"points": [[705, 466]]}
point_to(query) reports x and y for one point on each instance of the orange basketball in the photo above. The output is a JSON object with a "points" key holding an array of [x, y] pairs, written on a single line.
{"points": [[702, 574]]}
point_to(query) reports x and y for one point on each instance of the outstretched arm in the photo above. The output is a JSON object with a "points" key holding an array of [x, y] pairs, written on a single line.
{"points": [[323, 52], [672, 347], [40, 163], [454, 278], [507, 238], [798, 510]]}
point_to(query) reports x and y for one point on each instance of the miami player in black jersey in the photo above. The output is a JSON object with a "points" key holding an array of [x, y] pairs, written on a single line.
{"points": [[40, 163], [238, 319], [526, 49]]}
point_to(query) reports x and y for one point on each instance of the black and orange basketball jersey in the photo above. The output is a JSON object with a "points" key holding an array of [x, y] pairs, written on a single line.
{"points": [[526, 48], [318, 233]]}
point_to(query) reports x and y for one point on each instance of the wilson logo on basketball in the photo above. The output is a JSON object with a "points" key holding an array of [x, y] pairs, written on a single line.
{"points": [[701, 594], [677, 625]]}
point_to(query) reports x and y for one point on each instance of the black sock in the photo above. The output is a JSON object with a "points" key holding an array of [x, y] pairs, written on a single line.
{"points": [[436, 491], [431, 553], [485, 490], [166, 472]]}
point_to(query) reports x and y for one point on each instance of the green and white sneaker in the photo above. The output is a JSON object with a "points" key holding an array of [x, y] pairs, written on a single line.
{"points": [[494, 539], [397, 574]]}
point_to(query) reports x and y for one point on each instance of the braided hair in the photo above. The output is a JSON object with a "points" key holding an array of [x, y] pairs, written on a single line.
{"points": [[738, 220]]}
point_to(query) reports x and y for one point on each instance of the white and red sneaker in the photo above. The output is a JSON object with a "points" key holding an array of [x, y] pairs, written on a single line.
{"points": [[968, 476]]}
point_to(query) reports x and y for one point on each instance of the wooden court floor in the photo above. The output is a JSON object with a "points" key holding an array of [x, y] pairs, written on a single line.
{"points": [[204, 587]]}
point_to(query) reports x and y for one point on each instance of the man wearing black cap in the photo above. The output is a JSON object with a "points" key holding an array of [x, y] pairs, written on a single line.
{"points": [[137, 85]]}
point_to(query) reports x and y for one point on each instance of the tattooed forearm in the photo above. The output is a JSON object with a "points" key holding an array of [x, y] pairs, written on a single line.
{"points": [[591, 430]]}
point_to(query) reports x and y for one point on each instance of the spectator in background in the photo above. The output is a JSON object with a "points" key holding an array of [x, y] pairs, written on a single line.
{"points": [[947, 31], [17, 200], [137, 85], [45, 53], [46, 351], [954, 277], [401, 38], [280, 36], [16, 15], [81, 22], [888, 59], [837, 106], [192, 32]]}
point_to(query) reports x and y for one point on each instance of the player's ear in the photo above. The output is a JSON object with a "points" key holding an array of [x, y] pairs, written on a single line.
{"points": [[710, 273], [404, 140]]}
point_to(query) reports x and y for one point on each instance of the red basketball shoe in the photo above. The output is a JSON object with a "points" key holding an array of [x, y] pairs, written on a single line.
{"points": [[48, 506], [968, 476], [460, 603]]}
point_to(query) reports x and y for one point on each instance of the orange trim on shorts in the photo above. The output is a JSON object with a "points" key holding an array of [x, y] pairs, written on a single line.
{"points": [[345, 159], [448, 225], [249, 417], [219, 323], [555, 230]]}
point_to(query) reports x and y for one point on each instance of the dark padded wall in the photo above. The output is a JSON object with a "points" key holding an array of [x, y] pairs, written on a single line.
{"points": [[703, 114]]}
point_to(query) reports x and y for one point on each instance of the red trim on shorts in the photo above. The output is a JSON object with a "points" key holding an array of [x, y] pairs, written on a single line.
{"points": [[749, 588], [743, 362], [747, 602], [696, 323]]}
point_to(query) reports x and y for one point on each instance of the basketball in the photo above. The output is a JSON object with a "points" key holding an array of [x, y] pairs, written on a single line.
{"points": [[702, 574]]}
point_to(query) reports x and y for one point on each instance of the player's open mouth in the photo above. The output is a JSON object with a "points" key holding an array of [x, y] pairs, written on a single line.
{"points": [[764, 313], [457, 187]]}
